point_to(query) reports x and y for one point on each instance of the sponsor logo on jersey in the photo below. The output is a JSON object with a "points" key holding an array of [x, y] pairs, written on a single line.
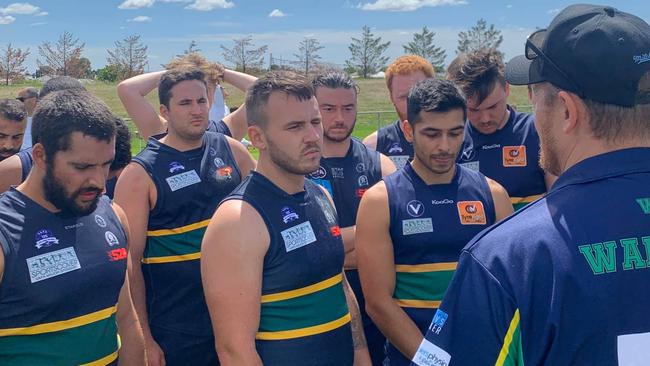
{"points": [[360, 192], [117, 254], [99, 220], [74, 226], [415, 208], [428, 354], [363, 181], [471, 213], [52, 264], [338, 173], [183, 180], [218, 162], [438, 322], [111, 239], [360, 168], [395, 148], [467, 154], [445, 201], [472, 165], [45, 239], [417, 226], [320, 173], [225, 172], [399, 160], [490, 147], [298, 236], [288, 215], [335, 231], [514, 156], [212, 151], [175, 167]]}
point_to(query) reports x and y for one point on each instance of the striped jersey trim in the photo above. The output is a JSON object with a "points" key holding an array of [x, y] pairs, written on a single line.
{"points": [[528, 199], [428, 267], [172, 258], [304, 290], [507, 341], [418, 304], [60, 325], [304, 332], [104, 360], [179, 230]]}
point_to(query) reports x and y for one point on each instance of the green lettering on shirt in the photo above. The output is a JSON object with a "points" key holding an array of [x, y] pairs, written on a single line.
{"points": [[601, 257], [632, 258], [645, 205]]}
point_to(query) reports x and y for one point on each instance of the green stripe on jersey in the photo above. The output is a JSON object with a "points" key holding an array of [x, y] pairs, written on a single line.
{"points": [[174, 244], [425, 286]]}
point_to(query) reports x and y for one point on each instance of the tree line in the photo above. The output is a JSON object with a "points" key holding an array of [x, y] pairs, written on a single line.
{"points": [[129, 55]]}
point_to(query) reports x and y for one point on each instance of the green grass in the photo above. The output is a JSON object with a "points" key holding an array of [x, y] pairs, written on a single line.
{"points": [[373, 97]]}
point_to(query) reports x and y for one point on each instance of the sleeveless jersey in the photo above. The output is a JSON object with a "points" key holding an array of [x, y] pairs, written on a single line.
{"points": [[429, 226], [563, 281], [220, 127], [510, 156], [61, 282], [26, 162], [190, 185], [392, 143], [304, 318]]}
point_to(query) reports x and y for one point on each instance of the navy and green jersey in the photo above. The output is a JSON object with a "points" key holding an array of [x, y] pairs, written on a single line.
{"points": [[304, 317], [26, 162], [429, 226], [220, 127], [189, 186], [62, 278], [392, 143], [564, 281], [510, 156], [347, 179]]}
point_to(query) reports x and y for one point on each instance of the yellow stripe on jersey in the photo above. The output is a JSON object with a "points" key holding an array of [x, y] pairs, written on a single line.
{"points": [[179, 230], [418, 304], [428, 267], [103, 361], [172, 258], [60, 325], [304, 290], [304, 332], [507, 341]]}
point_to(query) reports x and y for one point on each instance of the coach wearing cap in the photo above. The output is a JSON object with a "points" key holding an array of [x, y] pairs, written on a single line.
{"points": [[566, 280]]}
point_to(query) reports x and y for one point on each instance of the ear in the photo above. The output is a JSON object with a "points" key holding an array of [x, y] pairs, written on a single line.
{"points": [[164, 112], [507, 89], [257, 137], [572, 111], [38, 156], [408, 130]]}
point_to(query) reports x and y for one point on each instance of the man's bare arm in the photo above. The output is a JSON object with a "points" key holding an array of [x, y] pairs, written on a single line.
{"points": [[11, 172], [232, 261], [371, 140], [237, 121], [132, 93], [387, 166], [245, 161], [361, 355], [502, 203]]}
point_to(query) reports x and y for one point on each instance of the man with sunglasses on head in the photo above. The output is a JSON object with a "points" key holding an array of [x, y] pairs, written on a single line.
{"points": [[564, 281], [500, 142]]}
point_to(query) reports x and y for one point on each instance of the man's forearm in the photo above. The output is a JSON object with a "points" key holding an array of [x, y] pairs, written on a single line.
{"points": [[238, 79], [138, 296], [358, 337], [395, 324]]}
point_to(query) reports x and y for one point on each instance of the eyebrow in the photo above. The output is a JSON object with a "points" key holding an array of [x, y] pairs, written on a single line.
{"points": [[109, 161]]}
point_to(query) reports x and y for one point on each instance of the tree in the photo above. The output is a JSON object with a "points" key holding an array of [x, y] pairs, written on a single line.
{"points": [[108, 73], [367, 53], [308, 54], [244, 55], [422, 45], [479, 36], [11, 63], [192, 48], [80, 68], [60, 56], [129, 57]]}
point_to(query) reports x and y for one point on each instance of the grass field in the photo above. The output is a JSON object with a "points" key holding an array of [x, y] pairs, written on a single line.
{"points": [[374, 108]]}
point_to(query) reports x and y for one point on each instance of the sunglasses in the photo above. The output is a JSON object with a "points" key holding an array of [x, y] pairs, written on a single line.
{"points": [[533, 51], [23, 99]]}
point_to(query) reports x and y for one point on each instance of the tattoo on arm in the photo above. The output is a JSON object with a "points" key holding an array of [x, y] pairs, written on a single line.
{"points": [[358, 337]]}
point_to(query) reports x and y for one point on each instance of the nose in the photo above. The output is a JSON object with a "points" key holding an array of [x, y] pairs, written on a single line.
{"points": [[97, 178], [314, 132], [445, 144], [339, 115], [6, 144]]}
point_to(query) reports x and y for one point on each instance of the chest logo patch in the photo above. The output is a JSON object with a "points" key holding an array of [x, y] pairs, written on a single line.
{"points": [[183, 180], [415, 208], [395, 149], [111, 239], [175, 167], [288, 215], [399, 160], [363, 181], [514, 156], [417, 226], [298, 236], [471, 213], [52, 264], [45, 238], [473, 165], [318, 174]]}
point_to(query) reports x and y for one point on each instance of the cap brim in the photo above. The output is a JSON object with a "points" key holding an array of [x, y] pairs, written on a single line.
{"points": [[521, 71]]}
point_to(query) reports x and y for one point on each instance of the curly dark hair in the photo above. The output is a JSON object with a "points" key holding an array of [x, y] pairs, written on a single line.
{"points": [[477, 73], [12, 110]]}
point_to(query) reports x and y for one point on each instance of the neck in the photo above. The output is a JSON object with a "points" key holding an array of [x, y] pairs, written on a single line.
{"points": [[583, 151], [288, 182], [32, 187], [430, 177], [181, 144], [506, 117], [334, 149]]}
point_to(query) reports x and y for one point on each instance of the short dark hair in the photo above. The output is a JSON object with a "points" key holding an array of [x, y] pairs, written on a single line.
{"points": [[172, 77], [12, 110], [64, 112], [122, 145], [258, 94], [60, 83], [477, 73], [334, 80], [30, 92], [431, 95]]}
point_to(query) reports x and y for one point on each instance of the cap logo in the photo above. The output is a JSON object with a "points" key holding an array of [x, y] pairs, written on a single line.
{"points": [[639, 59]]}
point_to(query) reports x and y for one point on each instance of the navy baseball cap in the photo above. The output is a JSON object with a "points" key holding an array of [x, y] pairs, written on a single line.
{"points": [[597, 52]]}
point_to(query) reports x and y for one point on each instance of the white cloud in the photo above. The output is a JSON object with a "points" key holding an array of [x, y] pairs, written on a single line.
{"points": [[407, 5], [42, 14], [175, 1], [140, 18], [37, 24], [553, 11], [136, 4], [6, 19], [208, 5], [277, 13], [19, 8]]}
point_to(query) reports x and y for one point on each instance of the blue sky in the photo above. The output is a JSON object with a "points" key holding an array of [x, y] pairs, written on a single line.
{"points": [[168, 26]]}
